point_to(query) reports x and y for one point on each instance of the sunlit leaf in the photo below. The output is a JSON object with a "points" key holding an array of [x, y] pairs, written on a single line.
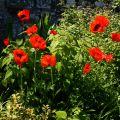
{"points": [[61, 115], [8, 73]]}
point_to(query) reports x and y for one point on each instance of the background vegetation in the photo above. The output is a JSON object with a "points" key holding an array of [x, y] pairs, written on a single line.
{"points": [[64, 91]]}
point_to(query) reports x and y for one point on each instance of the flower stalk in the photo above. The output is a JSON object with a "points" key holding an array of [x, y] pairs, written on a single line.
{"points": [[35, 66], [21, 83], [51, 76]]}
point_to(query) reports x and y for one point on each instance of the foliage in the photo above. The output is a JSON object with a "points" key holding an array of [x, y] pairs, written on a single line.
{"points": [[62, 90], [93, 91], [115, 3], [15, 109]]}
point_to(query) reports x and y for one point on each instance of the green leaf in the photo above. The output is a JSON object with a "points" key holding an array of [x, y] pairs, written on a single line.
{"points": [[19, 41], [4, 83], [76, 110], [51, 37], [39, 23], [1, 59], [109, 84], [25, 72], [57, 91], [32, 50], [75, 119], [8, 73], [53, 47], [58, 66], [7, 60], [12, 81], [9, 28], [46, 20], [54, 44], [5, 50], [61, 115]]}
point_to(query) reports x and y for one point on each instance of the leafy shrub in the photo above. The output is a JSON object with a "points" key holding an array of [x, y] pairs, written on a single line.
{"points": [[14, 109], [98, 91], [74, 70]]}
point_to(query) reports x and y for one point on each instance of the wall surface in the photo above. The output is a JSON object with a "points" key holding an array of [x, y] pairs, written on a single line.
{"points": [[9, 9]]}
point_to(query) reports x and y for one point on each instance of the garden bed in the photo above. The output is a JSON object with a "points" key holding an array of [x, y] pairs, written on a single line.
{"points": [[68, 71]]}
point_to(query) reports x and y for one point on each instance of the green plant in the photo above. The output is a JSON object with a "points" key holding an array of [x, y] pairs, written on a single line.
{"points": [[71, 46], [62, 82], [15, 110], [115, 3]]}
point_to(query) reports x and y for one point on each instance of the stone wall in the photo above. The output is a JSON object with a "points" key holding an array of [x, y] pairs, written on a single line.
{"points": [[9, 9], [2, 4]]}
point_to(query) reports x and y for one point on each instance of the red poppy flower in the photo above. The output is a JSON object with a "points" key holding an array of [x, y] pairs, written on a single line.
{"points": [[6, 41], [99, 24], [24, 15], [96, 53], [116, 37], [53, 32], [20, 56], [96, 27], [38, 42], [108, 57], [42, 44], [52, 60], [45, 60], [86, 68], [32, 30], [48, 60], [102, 20]]}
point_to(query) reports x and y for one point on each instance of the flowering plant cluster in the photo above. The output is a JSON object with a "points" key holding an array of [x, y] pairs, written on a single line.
{"points": [[20, 56], [31, 50], [89, 53], [74, 68], [99, 24]]}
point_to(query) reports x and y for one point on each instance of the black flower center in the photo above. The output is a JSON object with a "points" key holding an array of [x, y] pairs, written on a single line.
{"points": [[97, 26], [19, 55], [22, 16]]}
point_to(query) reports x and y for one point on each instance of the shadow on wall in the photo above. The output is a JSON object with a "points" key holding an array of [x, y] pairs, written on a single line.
{"points": [[4, 16], [11, 7]]}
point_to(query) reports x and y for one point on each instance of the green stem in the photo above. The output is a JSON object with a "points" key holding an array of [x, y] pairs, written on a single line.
{"points": [[21, 86], [51, 76], [52, 83], [77, 43], [35, 66], [22, 33]]}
